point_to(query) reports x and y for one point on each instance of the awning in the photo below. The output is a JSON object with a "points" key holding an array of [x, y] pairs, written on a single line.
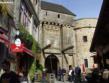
{"points": [[28, 51], [4, 40]]}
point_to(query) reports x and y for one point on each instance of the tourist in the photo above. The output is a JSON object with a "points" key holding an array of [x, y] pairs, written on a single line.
{"points": [[8, 76]]}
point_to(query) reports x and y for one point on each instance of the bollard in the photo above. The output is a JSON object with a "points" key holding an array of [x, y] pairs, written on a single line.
{"points": [[51, 77]]}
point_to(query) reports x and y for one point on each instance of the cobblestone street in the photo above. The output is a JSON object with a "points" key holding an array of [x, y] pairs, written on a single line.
{"points": [[61, 82]]}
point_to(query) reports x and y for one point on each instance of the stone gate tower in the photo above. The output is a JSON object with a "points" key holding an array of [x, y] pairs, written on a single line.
{"points": [[84, 30], [56, 36]]}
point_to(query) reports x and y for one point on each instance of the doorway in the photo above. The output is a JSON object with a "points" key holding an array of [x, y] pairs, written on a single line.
{"points": [[52, 64]]}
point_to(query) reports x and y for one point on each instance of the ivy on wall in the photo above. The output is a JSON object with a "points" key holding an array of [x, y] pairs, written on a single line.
{"points": [[37, 51], [32, 69], [3, 8], [33, 66], [25, 36], [38, 48], [34, 46], [30, 42]]}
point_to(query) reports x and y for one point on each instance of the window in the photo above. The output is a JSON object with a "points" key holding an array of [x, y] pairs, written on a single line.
{"points": [[58, 15], [70, 54], [85, 38], [46, 13], [86, 62]]}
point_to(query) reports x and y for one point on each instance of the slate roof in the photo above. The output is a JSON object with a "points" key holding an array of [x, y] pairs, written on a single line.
{"points": [[55, 7]]}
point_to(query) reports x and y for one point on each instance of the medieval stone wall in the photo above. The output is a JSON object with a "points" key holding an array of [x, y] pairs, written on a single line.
{"points": [[84, 30], [72, 35], [56, 17], [50, 33]]}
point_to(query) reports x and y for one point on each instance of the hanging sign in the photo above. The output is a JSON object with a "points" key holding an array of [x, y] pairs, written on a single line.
{"points": [[17, 46]]}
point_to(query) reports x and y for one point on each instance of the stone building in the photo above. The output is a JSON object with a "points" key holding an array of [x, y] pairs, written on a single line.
{"points": [[84, 30], [56, 36], [5, 22], [25, 13], [64, 40], [28, 18]]}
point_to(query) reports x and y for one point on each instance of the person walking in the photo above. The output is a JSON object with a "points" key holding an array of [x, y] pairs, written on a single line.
{"points": [[44, 74], [63, 74], [73, 76], [59, 74], [70, 75], [77, 75], [8, 76]]}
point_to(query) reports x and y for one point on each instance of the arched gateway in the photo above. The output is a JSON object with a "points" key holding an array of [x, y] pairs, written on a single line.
{"points": [[52, 64]]}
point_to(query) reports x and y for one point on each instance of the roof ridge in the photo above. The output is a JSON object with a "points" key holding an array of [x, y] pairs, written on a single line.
{"points": [[55, 7]]}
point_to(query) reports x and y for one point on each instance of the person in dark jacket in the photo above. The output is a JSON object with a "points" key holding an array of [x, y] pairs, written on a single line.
{"points": [[77, 75], [59, 74], [9, 76], [78, 70], [63, 74]]}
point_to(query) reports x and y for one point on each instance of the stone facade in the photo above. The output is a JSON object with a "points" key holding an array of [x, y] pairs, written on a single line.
{"points": [[52, 35], [50, 16], [56, 29], [64, 33], [84, 30]]}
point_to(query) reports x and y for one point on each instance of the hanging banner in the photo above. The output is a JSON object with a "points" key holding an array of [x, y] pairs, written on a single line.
{"points": [[17, 46]]}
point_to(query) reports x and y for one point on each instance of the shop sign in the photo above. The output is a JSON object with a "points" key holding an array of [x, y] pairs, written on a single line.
{"points": [[17, 46]]}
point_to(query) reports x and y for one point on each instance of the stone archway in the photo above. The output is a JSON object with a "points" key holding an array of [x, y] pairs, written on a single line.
{"points": [[52, 64]]}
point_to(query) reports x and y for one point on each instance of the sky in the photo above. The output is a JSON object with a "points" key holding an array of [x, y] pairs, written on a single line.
{"points": [[82, 8]]}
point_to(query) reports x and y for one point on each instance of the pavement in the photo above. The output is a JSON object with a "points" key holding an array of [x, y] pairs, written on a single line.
{"points": [[63, 82], [60, 82], [57, 82]]}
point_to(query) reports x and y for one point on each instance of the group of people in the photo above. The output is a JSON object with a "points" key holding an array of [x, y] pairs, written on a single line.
{"points": [[11, 77], [61, 74], [74, 75]]}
